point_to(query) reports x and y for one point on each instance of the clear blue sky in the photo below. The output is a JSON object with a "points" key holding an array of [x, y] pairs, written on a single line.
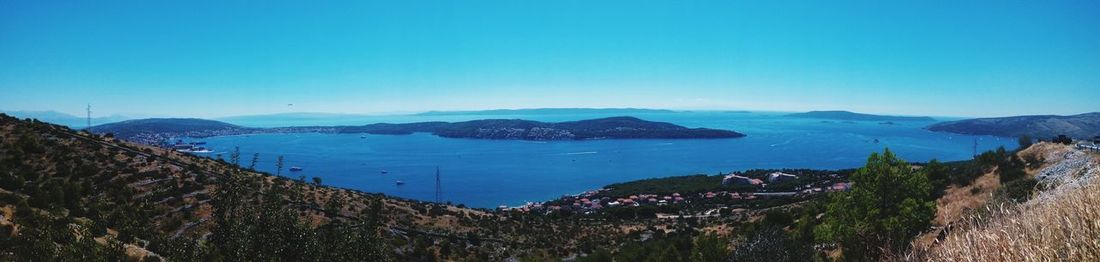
{"points": [[217, 58]]}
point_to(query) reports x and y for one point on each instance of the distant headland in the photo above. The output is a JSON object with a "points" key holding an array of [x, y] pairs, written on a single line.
{"points": [[1040, 126]]}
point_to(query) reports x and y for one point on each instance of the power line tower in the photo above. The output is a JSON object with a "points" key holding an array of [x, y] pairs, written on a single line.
{"points": [[89, 116], [438, 187]]}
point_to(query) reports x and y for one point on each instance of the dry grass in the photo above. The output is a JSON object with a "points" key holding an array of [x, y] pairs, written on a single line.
{"points": [[958, 201], [1059, 224]]}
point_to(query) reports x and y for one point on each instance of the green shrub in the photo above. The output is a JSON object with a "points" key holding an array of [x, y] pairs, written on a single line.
{"points": [[771, 244], [1012, 174], [1018, 190]]}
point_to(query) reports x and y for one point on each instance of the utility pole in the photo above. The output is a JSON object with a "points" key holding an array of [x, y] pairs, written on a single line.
{"points": [[438, 187], [89, 116]]}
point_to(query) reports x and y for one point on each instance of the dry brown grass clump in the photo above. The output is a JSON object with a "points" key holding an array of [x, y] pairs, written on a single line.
{"points": [[957, 201], [1060, 224]]}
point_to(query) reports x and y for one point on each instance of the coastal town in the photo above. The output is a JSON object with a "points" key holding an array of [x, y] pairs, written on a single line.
{"points": [[734, 191]]}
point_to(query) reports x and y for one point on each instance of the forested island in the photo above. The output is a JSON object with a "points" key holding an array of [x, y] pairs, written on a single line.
{"points": [[153, 130]]}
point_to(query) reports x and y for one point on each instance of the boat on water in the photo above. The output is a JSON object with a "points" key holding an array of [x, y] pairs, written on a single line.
{"points": [[399, 182], [197, 151], [194, 147], [385, 172], [295, 169]]}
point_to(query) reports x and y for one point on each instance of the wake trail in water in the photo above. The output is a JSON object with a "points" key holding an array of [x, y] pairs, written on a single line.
{"points": [[784, 143], [578, 153]]}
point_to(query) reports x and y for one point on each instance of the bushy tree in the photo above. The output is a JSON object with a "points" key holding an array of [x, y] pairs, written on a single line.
{"points": [[1063, 139], [1025, 141], [770, 243], [889, 204], [709, 248], [1018, 190], [938, 175]]}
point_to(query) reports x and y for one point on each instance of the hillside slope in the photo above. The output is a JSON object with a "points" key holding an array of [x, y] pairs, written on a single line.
{"points": [[151, 202], [1057, 223], [1080, 126]]}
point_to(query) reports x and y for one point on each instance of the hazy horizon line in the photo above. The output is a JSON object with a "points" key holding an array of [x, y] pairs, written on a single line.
{"points": [[405, 113]]}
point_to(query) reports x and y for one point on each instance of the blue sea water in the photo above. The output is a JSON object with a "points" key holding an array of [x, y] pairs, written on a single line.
{"points": [[488, 173]]}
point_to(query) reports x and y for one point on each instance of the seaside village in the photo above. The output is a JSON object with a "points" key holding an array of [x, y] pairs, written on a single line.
{"points": [[737, 190]]}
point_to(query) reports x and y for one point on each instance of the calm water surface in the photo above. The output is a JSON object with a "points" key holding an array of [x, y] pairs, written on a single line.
{"points": [[488, 173]]}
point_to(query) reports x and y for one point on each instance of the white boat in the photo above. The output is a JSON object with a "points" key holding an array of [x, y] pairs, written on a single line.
{"points": [[196, 150], [399, 182]]}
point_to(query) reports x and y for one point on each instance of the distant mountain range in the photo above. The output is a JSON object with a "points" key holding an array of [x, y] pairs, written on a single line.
{"points": [[162, 129], [1041, 126], [548, 111], [293, 115], [851, 116], [64, 119]]}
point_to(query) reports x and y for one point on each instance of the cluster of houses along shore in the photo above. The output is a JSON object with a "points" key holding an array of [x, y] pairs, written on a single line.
{"points": [[774, 177], [590, 201]]}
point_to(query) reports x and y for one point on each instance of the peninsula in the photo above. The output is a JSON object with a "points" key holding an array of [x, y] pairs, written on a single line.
{"points": [[1079, 126]]}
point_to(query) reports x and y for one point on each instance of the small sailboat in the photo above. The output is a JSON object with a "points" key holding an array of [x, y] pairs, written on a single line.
{"points": [[399, 182]]}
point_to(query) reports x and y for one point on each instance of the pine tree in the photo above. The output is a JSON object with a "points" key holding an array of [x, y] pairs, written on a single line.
{"points": [[235, 156], [255, 159], [889, 204], [279, 166]]}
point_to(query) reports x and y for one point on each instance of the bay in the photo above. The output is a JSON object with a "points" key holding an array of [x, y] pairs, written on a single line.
{"points": [[488, 173]]}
